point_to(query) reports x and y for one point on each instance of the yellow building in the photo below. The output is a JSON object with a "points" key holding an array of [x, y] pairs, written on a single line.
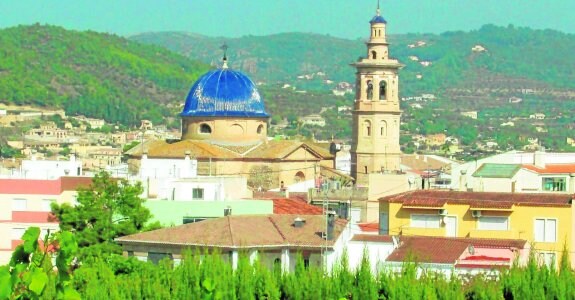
{"points": [[544, 220]]}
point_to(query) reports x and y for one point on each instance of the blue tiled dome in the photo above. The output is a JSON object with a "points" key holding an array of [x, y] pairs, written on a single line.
{"points": [[223, 93], [378, 19]]}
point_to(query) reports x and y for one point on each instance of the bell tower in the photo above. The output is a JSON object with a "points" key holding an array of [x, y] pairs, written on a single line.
{"points": [[376, 115]]}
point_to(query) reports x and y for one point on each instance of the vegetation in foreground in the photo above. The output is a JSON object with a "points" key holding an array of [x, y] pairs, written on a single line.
{"points": [[31, 275]]}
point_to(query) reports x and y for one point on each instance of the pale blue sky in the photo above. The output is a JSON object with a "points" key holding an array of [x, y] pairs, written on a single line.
{"points": [[232, 18]]}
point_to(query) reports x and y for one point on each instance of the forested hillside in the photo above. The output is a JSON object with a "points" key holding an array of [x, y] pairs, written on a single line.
{"points": [[93, 74], [517, 56]]}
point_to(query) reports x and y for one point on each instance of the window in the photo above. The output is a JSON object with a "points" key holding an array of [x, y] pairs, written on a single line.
{"points": [[198, 194], [155, 257], [493, 223], [17, 233], [260, 129], [384, 223], [383, 128], [299, 177], [366, 128], [369, 90], [46, 203], [19, 204], [555, 184], [546, 230], [382, 90], [373, 55], [205, 128], [425, 221], [547, 258]]}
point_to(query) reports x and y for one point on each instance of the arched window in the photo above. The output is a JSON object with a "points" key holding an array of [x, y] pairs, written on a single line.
{"points": [[373, 55], [369, 90], [382, 90], [366, 128], [383, 128], [299, 176], [205, 128], [260, 129], [236, 129], [365, 169]]}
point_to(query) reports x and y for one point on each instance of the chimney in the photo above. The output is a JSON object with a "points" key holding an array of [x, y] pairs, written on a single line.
{"points": [[188, 153], [298, 222], [463, 181], [330, 224], [227, 211], [539, 158]]}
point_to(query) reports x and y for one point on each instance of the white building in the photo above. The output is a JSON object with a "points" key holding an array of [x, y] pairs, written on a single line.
{"points": [[519, 172]]}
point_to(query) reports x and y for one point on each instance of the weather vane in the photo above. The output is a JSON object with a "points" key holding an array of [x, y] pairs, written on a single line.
{"points": [[225, 48], [225, 60]]}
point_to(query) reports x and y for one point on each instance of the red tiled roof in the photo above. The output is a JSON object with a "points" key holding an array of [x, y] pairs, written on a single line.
{"points": [[285, 206], [482, 266], [443, 250], [368, 227], [486, 258], [372, 238], [479, 199], [245, 231], [552, 168]]}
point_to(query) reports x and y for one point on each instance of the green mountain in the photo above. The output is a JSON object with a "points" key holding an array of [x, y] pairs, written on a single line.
{"points": [[94, 74], [516, 57]]}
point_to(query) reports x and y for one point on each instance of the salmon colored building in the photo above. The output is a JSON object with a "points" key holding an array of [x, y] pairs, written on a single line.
{"points": [[26, 202]]}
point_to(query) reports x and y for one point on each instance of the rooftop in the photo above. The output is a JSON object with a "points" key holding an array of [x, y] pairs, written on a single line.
{"points": [[444, 250], [436, 198], [273, 231], [552, 168], [490, 170]]}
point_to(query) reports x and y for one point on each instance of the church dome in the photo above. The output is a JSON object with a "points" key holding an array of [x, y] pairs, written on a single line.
{"points": [[224, 93], [378, 19]]}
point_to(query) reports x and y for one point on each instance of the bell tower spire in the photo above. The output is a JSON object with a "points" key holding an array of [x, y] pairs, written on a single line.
{"points": [[376, 115]]}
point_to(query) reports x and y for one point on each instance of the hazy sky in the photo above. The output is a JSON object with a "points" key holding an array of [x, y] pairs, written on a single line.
{"points": [[232, 18]]}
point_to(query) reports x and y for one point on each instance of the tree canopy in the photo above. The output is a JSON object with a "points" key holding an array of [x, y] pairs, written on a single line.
{"points": [[107, 209]]}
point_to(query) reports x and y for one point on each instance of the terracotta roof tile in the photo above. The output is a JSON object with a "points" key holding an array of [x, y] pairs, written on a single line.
{"points": [[552, 168], [238, 232], [479, 199], [368, 227], [443, 250], [205, 149], [285, 206]]}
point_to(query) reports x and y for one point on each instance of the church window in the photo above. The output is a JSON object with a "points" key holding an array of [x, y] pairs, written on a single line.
{"points": [[369, 90], [236, 129], [205, 128], [382, 90], [383, 128], [260, 129], [373, 55], [366, 128]]}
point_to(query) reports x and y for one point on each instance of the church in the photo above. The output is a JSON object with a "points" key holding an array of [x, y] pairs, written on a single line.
{"points": [[224, 127]]}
